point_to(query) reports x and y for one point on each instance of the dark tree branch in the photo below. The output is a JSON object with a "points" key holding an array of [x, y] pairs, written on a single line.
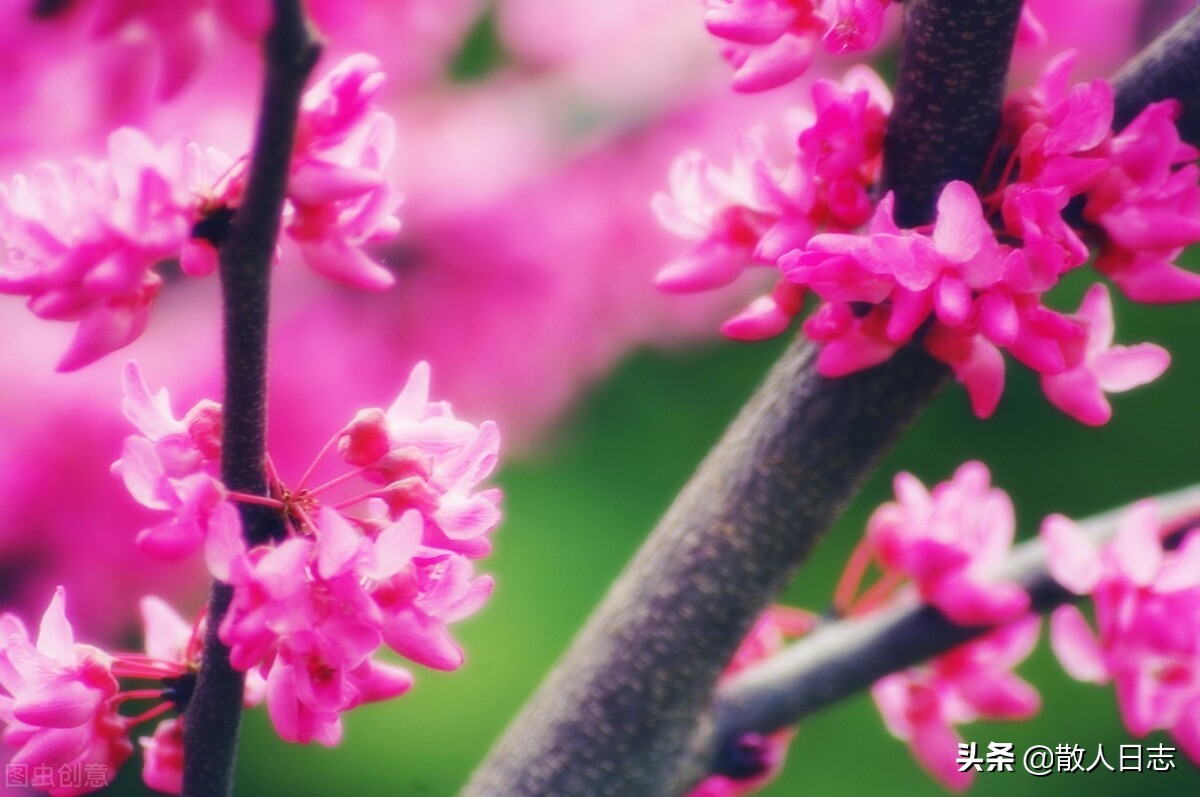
{"points": [[844, 657], [618, 715], [1169, 67], [615, 716], [948, 96], [213, 715]]}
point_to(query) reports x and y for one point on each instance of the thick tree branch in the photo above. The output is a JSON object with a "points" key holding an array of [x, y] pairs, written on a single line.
{"points": [[213, 714], [948, 96], [618, 714], [844, 657], [1169, 67]]}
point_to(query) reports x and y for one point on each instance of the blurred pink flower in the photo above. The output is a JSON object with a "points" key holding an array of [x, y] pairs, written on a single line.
{"points": [[57, 700], [772, 42], [162, 753]]}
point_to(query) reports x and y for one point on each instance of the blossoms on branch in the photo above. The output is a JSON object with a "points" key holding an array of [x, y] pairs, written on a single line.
{"points": [[971, 284], [758, 211], [340, 198], [1147, 617], [949, 542], [83, 241], [171, 466], [380, 554], [972, 682], [59, 699]]}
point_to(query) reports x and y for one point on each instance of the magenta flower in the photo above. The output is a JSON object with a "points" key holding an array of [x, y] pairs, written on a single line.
{"points": [[162, 753], [970, 683], [1104, 368], [172, 467], [340, 197], [56, 698], [970, 284], [82, 243], [772, 42], [1147, 604], [59, 699], [758, 212], [1148, 205], [309, 612], [950, 542]]}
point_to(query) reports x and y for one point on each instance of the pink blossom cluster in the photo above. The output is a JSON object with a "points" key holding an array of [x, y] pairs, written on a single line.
{"points": [[771, 42], [764, 754], [356, 569], [60, 699], [949, 542], [972, 682], [82, 241], [757, 212], [972, 283], [172, 466], [1147, 617]]}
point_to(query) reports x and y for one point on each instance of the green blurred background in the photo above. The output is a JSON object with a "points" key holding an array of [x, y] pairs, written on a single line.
{"points": [[577, 510]]}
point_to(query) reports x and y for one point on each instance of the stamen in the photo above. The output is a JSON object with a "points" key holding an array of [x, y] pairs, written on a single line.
{"points": [[848, 584], [335, 481], [146, 716], [329, 444], [261, 500]]}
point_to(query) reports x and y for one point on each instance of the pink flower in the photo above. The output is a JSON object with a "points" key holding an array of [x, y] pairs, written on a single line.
{"points": [[57, 698], [971, 283], [309, 612], [339, 194], [162, 753], [759, 212], [1148, 205], [183, 32], [430, 461], [1104, 368], [772, 41], [971, 682], [950, 542], [302, 617], [81, 242], [171, 467], [1147, 603]]}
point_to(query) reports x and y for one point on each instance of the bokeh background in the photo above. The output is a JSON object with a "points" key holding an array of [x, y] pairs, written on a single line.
{"points": [[532, 136]]}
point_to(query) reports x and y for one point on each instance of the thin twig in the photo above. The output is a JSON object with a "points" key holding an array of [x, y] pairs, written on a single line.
{"points": [[213, 714]]}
